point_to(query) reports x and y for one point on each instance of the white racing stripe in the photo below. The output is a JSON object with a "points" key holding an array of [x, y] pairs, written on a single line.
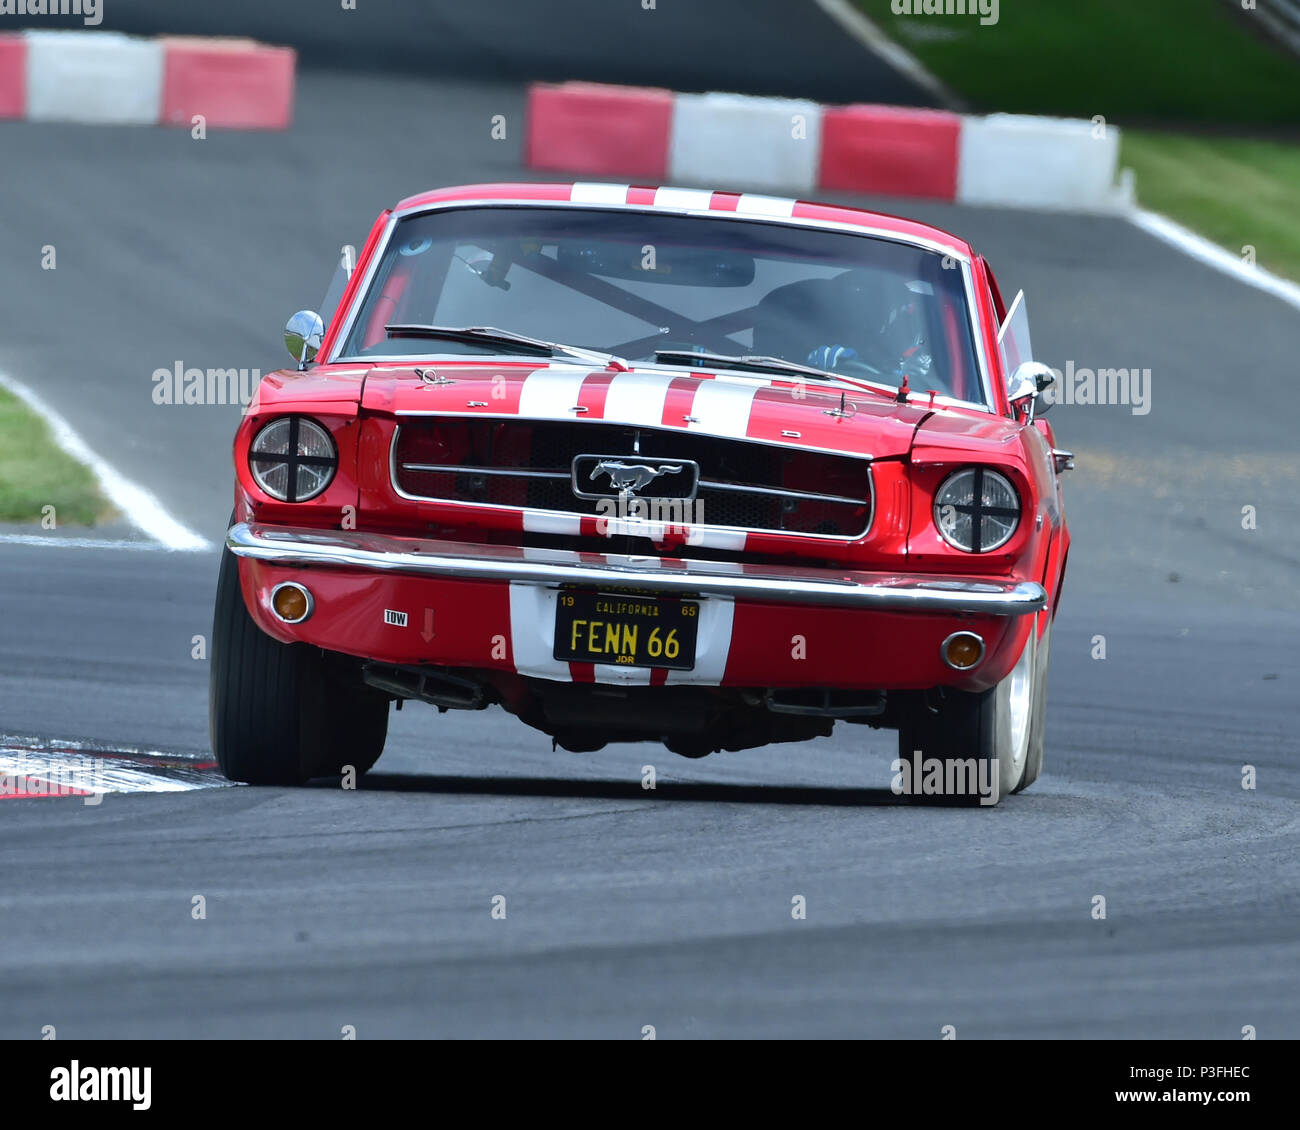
{"points": [[753, 204], [722, 407], [690, 199], [532, 633], [584, 193], [637, 528], [543, 523], [549, 394], [141, 508], [712, 645], [623, 676], [566, 556], [733, 540], [637, 398]]}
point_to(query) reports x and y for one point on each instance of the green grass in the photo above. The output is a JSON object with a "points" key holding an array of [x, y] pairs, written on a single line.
{"points": [[1150, 61], [35, 473], [1167, 64], [1234, 191]]}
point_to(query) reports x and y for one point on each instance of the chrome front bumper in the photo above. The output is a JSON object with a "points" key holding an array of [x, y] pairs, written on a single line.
{"points": [[344, 549]]}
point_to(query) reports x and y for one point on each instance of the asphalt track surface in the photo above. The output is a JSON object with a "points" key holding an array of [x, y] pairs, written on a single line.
{"points": [[626, 908]]}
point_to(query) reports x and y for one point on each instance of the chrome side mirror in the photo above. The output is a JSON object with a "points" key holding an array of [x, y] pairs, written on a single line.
{"points": [[1030, 380], [302, 336]]}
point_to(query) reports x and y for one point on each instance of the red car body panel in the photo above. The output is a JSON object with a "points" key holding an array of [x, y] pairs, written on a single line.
{"points": [[500, 629]]}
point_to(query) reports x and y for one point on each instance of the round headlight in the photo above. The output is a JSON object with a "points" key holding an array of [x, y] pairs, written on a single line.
{"points": [[977, 510], [293, 459]]}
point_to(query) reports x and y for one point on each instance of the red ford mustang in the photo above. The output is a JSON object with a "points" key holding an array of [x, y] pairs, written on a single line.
{"points": [[705, 468]]}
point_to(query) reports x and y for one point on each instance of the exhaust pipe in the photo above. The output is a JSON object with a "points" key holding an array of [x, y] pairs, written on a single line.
{"points": [[819, 702], [438, 688]]}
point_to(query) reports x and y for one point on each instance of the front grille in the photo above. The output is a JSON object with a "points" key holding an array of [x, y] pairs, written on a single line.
{"points": [[743, 485]]}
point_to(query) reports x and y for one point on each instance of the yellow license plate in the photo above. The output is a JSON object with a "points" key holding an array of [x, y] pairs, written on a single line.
{"points": [[626, 630]]}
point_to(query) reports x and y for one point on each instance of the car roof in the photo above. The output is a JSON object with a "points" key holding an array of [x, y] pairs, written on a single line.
{"points": [[744, 205]]}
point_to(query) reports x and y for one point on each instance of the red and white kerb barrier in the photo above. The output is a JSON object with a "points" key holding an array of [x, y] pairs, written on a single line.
{"points": [[798, 146], [107, 78]]}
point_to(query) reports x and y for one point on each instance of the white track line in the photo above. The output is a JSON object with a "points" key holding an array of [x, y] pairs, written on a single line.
{"points": [[865, 31], [1198, 247], [136, 504], [45, 541]]}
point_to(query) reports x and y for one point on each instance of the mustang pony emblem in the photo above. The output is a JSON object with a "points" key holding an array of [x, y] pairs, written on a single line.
{"points": [[632, 477]]}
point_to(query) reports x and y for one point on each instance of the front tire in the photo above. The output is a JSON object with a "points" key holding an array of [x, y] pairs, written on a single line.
{"points": [[1038, 720], [279, 714], [998, 733]]}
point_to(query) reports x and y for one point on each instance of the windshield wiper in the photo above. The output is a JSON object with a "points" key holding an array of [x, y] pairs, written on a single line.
{"points": [[490, 335], [765, 364], [759, 363]]}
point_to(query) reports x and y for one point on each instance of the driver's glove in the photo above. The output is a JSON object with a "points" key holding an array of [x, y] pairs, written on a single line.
{"points": [[915, 362], [829, 356]]}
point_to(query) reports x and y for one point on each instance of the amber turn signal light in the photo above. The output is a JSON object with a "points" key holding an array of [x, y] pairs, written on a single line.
{"points": [[962, 650], [291, 602]]}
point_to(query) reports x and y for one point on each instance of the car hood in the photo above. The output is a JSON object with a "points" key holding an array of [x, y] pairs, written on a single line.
{"points": [[769, 409], [950, 434]]}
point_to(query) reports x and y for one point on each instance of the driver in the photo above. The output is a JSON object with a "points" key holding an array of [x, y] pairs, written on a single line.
{"points": [[896, 349]]}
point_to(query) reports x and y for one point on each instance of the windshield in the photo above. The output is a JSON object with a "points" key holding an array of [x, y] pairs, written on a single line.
{"points": [[633, 283]]}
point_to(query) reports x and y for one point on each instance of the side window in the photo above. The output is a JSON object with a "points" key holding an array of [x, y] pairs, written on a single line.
{"points": [[1014, 344], [1013, 336]]}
